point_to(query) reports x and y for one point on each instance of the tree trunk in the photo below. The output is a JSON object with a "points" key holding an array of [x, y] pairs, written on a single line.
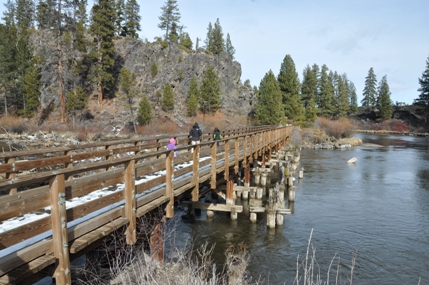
{"points": [[60, 68], [100, 70]]}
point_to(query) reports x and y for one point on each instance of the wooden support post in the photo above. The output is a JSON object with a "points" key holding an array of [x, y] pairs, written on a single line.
{"points": [[157, 243], [169, 189], [245, 150], [137, 144], [70, 164], [251, 148], [11, 160], [59, 229], [247, 176], [196, 175], [226, 160], [230, 191], [237, 159], [213, 169], [130, 201], [110, 156]]}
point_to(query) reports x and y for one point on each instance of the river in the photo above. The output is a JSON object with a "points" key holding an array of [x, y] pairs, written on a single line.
{"points": [[376, 210]]}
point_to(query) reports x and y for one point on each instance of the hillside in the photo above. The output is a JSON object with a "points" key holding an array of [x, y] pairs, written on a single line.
{"points": [[176, 65]]}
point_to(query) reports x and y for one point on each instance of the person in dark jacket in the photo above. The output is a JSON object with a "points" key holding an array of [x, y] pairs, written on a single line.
{"points": [[217, 135], [195, 134]]}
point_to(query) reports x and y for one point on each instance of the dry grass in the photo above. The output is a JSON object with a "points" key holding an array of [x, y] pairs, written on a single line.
{"points": [[340, 128]]}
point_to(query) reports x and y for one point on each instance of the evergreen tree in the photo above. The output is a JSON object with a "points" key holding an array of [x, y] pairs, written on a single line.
{"points": [[76, 100], [326, 94], [144, 115], [343, 107], [209, 38], [185, 40], [170, 15], [316, 71], [193, 96], [230, 50], [370, 90], [127, 81], [32, 88], [46, 16], [311, 111], [167, 98], [423, 99], [384, 104], [103, 30], [247, 84], [120, 28], [309, 86], [173, 37], [132, 18], [24, 15], [290, 86], [210, 91], [268, 110], [353, 98], [217, 44]]}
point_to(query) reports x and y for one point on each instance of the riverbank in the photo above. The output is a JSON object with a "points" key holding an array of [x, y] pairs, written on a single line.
{"points": [[387, 132]]}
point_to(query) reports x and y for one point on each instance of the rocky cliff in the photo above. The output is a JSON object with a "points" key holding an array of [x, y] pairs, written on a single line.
{"points": [[176, 66]]}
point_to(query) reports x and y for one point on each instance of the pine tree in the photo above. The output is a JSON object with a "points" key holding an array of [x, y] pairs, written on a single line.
{"points": [[132, 18], [247, 84], [193, 96], [76, 100], [311, 111], [217, 45], [423, 99], [210, 91], [230, 50], [209, 38], [24, 15], [326, 94], [384, 104], [268, 109], [170, 15], [32, 88], [103, 30], [343, 107], [370, 90], [290, 86], [127, 81], [173, 37], [144, 114], [120, 28], [46, 17], [309, 86], [185, 40], [353, 98], [167, 98]]}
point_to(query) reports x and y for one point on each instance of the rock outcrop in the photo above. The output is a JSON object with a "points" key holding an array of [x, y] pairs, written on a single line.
{"points": [[176, 65]]}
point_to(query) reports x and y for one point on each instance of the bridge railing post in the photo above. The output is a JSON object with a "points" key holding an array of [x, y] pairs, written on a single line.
{"points": [[169, 176], [226, 159], [213, 149], [236, 156], [130, 201], [196, 174], [59, 229]]}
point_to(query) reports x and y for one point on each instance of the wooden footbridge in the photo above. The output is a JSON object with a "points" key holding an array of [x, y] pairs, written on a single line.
{"points": [[44, 181]]}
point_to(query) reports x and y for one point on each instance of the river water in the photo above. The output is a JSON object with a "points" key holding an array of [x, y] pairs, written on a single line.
{"points": [[376, 210]]}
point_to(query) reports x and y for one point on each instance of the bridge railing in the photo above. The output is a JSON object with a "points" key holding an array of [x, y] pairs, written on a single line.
{"points": [[130, 187], [15, 163]]}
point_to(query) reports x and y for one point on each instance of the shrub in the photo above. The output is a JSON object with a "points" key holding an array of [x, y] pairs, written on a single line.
{"points": [[154, 69], [337, 128], [13, 124]]}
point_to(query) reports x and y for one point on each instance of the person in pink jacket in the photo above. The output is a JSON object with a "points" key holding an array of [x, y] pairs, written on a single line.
{"points": [[172, 145]]}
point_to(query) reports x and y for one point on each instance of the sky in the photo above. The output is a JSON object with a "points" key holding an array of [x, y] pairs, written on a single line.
{"points": [[349, 36]]}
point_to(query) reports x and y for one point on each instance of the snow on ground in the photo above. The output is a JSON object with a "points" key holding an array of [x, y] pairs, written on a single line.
{"points": [[30, 217]]}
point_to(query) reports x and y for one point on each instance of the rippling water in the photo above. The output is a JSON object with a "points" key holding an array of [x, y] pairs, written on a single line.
{"points": [[376, 209]]}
